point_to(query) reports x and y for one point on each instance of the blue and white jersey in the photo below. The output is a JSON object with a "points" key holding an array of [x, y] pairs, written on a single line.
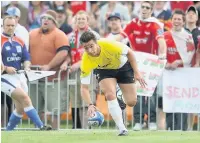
{"points": [[13, 51]]}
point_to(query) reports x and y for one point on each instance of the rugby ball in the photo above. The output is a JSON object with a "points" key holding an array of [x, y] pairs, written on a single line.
{"points": [[96, 120]]}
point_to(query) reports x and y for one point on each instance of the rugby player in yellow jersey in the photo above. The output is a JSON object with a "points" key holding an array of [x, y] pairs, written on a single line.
{"points": [[114, 63]]}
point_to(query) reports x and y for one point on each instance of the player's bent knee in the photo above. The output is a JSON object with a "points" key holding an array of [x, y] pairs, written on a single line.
{"points": [[131, 103], [110, 95]]}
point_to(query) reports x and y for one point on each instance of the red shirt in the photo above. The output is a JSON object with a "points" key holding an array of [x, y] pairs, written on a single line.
{"points": [[143, 35]]}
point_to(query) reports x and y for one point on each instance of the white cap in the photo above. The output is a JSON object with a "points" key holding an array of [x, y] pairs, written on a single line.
{"points": [[13, 11]]}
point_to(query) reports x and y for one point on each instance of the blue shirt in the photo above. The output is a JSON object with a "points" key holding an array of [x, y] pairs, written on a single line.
{"points": [[13, 51]]}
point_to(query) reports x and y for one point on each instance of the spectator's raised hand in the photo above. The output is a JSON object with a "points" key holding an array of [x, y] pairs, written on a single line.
{"points": [[63, 67]]}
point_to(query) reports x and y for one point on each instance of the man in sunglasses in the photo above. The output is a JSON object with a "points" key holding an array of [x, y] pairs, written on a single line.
{"points": [[49, 47], [146, 35]]}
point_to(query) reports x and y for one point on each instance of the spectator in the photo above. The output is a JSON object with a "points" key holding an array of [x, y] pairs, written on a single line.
{"points": [[64, 4], [81, 24], [24, 12], [13, 84], [36, 9], [145, 30], [190, 25], [180, 54], [49, 47], [191, 20], [115, 25], [109, 8], [163, 15], [20, 31], [62, 20]]}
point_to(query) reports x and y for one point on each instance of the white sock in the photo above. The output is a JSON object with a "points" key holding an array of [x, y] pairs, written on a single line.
{"points": [[116, 114]]}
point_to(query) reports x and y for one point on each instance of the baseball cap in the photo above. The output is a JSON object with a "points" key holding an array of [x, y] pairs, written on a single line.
{"points": [[192, 8], [60, 9], [116, 15], [13, 11]]}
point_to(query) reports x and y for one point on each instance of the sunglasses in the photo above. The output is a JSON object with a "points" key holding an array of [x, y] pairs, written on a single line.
{"points": [[46, 18], [143, 7]]}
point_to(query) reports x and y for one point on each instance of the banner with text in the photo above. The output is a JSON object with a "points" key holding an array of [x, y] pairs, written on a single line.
{"points": [[151, 68], [181, 90]]}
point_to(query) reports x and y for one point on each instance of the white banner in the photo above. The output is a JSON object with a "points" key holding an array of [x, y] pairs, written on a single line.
{"points": [[181, 90], [151, 68]]}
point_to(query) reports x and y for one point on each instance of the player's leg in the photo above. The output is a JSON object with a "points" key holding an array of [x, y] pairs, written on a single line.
{"points": [[129, 93], [16, 116], [20, 96], [108, 86]]}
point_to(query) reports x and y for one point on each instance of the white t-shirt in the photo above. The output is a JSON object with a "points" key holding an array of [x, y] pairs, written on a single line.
{"points": [[21, 32]]}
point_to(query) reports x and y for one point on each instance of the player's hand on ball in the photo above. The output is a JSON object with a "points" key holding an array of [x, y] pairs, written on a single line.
{"points": [[141, 80], [91, 110]]}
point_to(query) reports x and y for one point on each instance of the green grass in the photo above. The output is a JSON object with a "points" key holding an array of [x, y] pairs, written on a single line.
{"points": [[99, 136]]}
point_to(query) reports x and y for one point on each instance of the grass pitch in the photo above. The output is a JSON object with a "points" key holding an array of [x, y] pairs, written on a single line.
{"points": [[99, 136]]}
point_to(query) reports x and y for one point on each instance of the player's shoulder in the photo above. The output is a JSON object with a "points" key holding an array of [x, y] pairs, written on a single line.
{"points": [[18, 40]]}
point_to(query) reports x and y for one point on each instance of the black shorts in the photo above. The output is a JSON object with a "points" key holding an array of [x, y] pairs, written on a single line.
{"points": [[123, 75]]}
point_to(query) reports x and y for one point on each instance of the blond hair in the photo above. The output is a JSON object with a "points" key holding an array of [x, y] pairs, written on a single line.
{"points": [[82, 12]]}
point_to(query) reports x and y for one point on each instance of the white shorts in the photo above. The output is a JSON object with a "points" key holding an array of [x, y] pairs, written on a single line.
{"points": [[10, 82]]}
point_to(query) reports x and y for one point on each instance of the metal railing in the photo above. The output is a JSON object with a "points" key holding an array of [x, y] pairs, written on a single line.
{"points": [[66, 122]]}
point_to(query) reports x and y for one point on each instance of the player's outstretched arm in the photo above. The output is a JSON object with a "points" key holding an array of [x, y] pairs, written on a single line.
{"points": [[85, 93], [133, 62]]}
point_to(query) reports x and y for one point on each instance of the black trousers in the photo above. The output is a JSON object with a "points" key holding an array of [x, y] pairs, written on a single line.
{"points": [[178, 123], [77, 123], [144, 110]]}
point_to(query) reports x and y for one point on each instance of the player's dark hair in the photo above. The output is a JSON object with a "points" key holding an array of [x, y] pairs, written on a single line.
{"points": [[179, 12], [87, 36]]}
